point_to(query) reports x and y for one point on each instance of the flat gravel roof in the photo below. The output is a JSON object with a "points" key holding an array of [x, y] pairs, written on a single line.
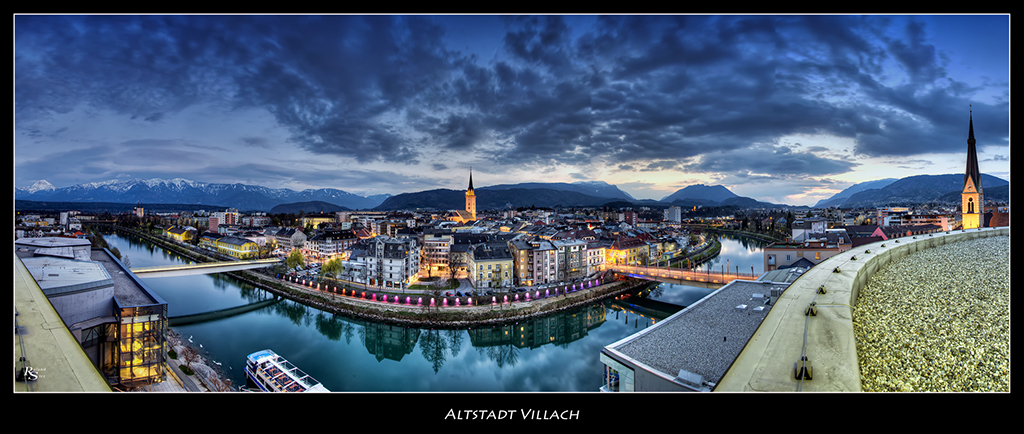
{"points": [[706, 337]]}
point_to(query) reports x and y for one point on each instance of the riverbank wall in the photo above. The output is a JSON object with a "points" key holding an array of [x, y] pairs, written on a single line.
{"points": [[370, 305]]}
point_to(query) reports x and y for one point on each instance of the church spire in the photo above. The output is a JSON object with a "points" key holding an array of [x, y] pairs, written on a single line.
{"points": [[470, 199], [972, 173], [972, 198]]}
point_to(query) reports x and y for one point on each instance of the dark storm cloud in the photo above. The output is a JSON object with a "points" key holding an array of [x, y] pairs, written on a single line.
{"points": [[638, 89], [638, 92], [351, 180], [660, 165], [256, 142], [334, 80], [542, 41], [851, 92], [460, 132], [919, 58], [142, 67], [91, 159], [770, 160]]}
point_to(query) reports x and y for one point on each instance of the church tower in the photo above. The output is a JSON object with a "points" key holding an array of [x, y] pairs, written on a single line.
{"points": [[471, 198], [971, 196]]}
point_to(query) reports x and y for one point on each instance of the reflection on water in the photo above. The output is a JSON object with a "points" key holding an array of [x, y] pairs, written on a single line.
{"points": [[559, 352], [738, 254]]}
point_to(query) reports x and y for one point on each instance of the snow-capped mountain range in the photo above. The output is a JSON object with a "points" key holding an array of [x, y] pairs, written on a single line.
{"points": [[185, 191]]}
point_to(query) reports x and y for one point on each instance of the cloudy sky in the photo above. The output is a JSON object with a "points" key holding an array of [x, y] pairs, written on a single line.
{"points": [[786, 109]]}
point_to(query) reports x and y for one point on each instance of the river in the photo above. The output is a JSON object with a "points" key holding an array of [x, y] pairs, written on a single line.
{"points": [[738, 254], [555, 353]]}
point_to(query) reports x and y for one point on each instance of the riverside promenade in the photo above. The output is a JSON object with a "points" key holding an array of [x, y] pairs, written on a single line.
{"points": [[420, 307]]}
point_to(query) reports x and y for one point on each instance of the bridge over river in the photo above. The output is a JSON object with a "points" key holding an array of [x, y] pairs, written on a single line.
{"points": [[202, 268], [705, 279], [221, 313], [209, 268]]}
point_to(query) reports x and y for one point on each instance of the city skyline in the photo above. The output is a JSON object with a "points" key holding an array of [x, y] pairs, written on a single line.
{"points": [[784, 109]]}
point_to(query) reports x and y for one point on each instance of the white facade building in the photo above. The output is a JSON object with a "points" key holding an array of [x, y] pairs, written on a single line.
{"points": [[673, 214], [390, 263]]}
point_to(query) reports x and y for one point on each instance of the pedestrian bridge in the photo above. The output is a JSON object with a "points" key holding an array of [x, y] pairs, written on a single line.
{"points": [[221, 313], [705, 279], [202, 268]]}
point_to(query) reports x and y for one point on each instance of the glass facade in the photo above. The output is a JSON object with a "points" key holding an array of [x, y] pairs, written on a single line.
{"points": [[617, 377], [140, 345]]}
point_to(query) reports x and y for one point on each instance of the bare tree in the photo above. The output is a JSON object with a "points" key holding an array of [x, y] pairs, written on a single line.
{"points": [[189, 355], [456, 261], [219, 384], [173, 338]]}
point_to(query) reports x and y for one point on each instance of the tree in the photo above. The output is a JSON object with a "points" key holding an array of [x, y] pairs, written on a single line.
{"points": [[456, 261], [189, 355], [219, 384], [333, 268], [295, 260], [439, 284]]}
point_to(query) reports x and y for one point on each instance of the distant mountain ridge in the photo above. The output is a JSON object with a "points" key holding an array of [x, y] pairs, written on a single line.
{"points": [[586, 194], [838, 198], [311, 207], [589, 188], [909, 190], [918, 189], [183, 191], [701, 192], [490, 199]]}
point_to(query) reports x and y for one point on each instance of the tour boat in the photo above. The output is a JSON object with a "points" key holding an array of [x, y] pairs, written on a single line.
{"points": [[270, 372]]}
